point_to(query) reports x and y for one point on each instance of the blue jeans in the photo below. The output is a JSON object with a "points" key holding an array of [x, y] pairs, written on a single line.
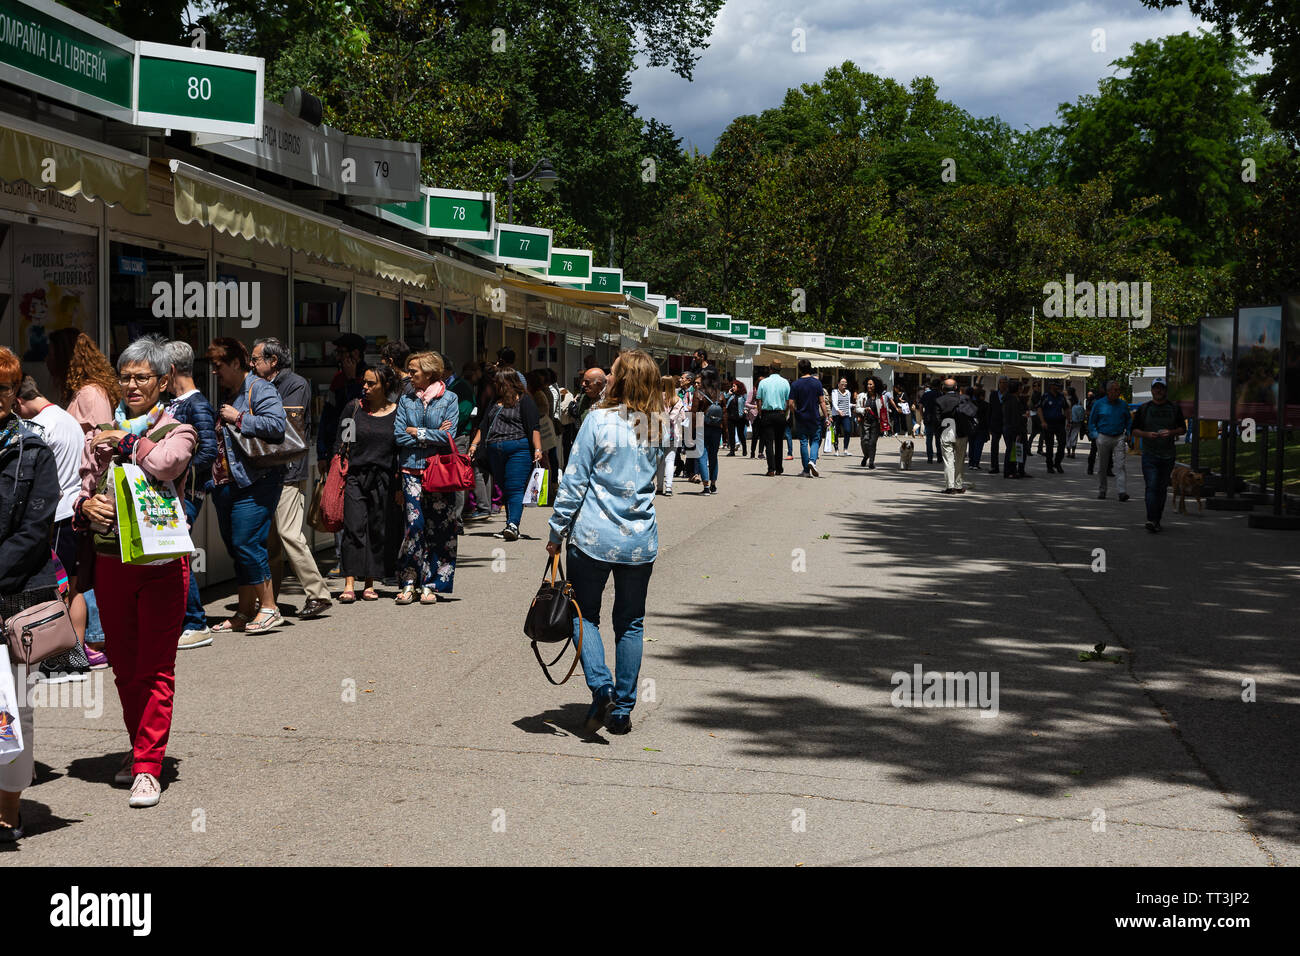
{"points": [[195, 617], [512, 465], [94, 629], [708, 459], [810, 443], [1155, 472], [631, 581], [789, 441], [244, 516]]}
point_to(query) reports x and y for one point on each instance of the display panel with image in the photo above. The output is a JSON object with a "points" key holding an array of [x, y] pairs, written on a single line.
{"points": [[1214, 368], [1180, 370], [1258, 363]]}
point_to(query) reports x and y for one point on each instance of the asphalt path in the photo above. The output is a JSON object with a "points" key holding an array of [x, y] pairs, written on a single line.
{"points": [[780, 612]]}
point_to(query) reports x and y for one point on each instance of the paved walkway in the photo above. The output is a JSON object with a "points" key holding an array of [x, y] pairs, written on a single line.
{"points": [[780, 609]]}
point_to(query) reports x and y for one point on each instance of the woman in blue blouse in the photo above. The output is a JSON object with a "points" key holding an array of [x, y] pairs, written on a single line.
{"points": [[426, 425], [246, 496], [606, 505]]}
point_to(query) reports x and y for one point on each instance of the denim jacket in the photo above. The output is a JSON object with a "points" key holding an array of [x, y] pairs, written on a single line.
{"points": [[432, 439], [616, 520], [265, 420]]}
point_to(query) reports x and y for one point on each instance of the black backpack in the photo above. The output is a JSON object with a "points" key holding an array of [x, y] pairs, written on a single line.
{"points": [[713, 415]]}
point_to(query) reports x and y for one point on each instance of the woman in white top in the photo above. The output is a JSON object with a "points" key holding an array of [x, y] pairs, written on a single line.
{"points": [[842, 410]]}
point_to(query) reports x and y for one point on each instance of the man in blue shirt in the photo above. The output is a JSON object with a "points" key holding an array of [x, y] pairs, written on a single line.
{"points": [[1051, 418], [808, 402], [773, 399], [1108, 427]]}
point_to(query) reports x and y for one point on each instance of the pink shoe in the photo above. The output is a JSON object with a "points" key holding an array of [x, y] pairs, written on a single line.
{"points": [[98, 661]]}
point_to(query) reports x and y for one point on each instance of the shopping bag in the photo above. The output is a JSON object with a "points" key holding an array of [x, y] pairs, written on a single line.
{"points": [[11, 731], [150, 518], [544, 494], [331, 501], [534, 487]]}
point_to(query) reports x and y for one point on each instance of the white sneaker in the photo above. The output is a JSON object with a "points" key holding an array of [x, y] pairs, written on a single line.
{"points": [[145, 791], [191, 637]]}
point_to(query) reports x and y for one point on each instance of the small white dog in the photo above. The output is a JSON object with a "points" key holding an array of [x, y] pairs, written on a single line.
{"points": [[905, 454]]}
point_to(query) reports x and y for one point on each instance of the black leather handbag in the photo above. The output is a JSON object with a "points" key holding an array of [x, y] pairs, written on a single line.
{"points": [[550, 619]]}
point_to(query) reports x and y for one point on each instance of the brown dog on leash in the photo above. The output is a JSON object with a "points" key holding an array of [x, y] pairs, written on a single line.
{"points": [[1182, 480], [905, 454]]}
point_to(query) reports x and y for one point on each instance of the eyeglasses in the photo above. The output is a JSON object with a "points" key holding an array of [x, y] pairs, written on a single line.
{"points": [[135, 379], [6, 388]]}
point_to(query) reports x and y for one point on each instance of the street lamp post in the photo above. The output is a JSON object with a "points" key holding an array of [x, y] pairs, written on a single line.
{"points": [[542, 172]]}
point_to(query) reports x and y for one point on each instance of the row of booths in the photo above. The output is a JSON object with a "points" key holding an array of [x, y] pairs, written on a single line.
{"points": [[133, 173]]}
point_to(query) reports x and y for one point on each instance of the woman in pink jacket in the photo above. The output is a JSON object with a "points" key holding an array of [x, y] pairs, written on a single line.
{"points": [[142, 606]]}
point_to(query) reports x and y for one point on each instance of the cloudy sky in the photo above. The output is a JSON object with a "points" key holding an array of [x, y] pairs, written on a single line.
{"points": [[1018, 59]]}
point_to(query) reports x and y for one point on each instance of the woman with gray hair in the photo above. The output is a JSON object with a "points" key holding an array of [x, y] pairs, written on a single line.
{"points": [[142, 606]]}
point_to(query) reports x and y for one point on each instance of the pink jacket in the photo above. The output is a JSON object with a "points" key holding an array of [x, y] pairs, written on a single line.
{"points": [[166, 460], [91, 406]]}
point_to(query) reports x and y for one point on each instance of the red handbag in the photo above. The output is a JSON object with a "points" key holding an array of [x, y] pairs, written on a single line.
{"points": [[331, 500], [445, 473]]}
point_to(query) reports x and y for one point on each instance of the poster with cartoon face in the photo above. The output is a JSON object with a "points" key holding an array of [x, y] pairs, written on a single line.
{"points": [[56, 285]]}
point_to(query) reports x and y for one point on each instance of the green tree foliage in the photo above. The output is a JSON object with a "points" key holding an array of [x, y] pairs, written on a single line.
{"points": [[1271, 28], [1176, 125], [478, 84]]}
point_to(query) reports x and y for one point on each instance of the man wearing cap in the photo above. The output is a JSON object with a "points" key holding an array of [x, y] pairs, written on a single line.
{"points": [[349, 352], [1051, 414], [1158, 423]]}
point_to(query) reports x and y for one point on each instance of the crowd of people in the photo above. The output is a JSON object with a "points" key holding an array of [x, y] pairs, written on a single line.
{"points": [[379, 428]]}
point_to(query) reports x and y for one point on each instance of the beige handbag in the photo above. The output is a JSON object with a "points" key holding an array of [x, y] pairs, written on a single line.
{"points": [[262, 454], [39, 632]]}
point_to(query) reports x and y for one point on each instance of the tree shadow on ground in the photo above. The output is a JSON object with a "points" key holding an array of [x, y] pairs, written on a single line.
{"points": [[1002, 579]]}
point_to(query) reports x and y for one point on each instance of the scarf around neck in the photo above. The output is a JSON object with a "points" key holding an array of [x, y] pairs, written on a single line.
{"points": [[433, 392], [141, 423]]}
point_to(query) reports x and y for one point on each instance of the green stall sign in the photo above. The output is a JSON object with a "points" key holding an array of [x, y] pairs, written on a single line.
{"points": [[695, 317], [570, 264], [199, 90], [459, 214], [524, 245], [757, 333], [717, 323], [638, 290], [49, 49], [606, 280]]}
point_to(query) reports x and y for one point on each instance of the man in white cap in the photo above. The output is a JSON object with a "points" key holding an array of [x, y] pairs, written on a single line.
{"points": [[1158, 423]]}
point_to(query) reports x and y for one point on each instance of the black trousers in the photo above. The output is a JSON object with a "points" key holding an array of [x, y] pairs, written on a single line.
{"points": [[394, 525], [364, 517], [1013, 438], [995, 439], [773, 430], [870, 434], [1054, 435], [737, 435]]}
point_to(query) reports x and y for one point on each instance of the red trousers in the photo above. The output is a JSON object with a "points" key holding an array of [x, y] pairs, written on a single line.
{"points": [[142, 609]]}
